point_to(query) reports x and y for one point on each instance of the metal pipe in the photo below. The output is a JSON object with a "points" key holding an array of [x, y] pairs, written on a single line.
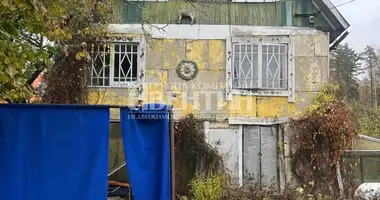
{"points": [[117, 168], [136, 107], [172, 153], [69, 105], [361, 153], [339, 179]]}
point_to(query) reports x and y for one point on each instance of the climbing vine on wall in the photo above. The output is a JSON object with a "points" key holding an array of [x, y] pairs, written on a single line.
{"points": [[194, 156], [66, 81], [318, 139], [190, 144]]}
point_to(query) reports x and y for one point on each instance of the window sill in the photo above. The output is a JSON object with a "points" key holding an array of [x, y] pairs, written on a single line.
{"points": [[261, 92], [114, 87], [256, 121], [117, 84]]}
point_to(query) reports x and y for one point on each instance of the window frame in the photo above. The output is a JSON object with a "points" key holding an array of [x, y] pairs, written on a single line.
{"points": [[121, 84], [257, 80], [262, 40], [140, 41]]}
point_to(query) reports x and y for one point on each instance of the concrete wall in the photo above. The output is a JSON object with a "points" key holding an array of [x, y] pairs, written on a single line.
{"points": [[206, 92]]}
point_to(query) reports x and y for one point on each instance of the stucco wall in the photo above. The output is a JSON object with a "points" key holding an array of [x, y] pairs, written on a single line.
{"points": [[206, 92]]}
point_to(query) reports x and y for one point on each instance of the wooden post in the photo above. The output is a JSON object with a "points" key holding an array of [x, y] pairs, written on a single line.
{"points": [[361, 170]]}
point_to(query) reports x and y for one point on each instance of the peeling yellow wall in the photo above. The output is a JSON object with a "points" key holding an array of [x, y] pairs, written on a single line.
{"points": [[163, 85]]}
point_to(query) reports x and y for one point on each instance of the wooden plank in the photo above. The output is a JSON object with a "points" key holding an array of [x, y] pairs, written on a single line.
{"points": [[256, 14]]}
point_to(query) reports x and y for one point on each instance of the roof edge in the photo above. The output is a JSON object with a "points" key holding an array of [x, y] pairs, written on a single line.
{"points": [[339, 39], [336, 13]]}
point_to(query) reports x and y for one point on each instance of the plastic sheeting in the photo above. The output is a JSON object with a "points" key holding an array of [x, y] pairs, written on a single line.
{"points": [[145, 137], [53, 152]]}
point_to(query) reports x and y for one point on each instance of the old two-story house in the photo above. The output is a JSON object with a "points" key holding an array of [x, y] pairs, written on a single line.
{"points": [[244, 66]]}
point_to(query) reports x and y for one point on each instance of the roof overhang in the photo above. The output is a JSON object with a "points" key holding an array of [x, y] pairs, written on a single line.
{"points": [[336, 42], [337, 22]]}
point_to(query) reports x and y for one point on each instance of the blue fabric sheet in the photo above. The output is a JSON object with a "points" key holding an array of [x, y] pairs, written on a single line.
{"points": [[53, 152], [146, 144]]}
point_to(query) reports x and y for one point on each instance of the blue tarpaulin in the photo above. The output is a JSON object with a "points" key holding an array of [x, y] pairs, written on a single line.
{"points": [[53, 152], [146, 144]]}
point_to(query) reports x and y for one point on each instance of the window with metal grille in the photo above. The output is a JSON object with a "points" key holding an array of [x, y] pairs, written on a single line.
{"points": [[260, 66], [114, 64]]}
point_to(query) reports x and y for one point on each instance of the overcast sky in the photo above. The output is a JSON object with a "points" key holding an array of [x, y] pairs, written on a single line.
{"points": [[364, 18]]}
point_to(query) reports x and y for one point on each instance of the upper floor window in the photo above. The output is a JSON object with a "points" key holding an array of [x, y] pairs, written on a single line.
{"points": [[117, 64], [260, 66], [121, 70]]}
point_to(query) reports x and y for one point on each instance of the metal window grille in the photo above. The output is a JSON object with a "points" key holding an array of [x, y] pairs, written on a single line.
{"points": [[260, 66], [114, 64], [100, 70], [125, 64]]}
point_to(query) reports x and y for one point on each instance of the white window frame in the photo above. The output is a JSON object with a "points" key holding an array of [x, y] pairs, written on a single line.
{"points": [[140, 63], [288, 92]]}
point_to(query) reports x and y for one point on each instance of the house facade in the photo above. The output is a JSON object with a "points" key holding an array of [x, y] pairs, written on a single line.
{"points": [[244, 67]]}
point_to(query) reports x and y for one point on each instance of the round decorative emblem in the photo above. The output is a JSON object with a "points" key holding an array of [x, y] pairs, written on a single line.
{"points": [[187, 70]]}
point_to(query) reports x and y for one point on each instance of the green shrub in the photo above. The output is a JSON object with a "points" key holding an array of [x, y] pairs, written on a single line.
{"points": [[368, 119], [210, 187]]}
